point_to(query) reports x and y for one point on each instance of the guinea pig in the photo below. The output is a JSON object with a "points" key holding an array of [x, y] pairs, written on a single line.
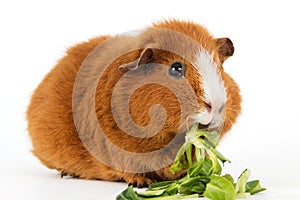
{"points": [[116, 108]]}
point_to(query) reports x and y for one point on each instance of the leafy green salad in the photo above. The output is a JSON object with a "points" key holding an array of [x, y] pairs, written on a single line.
{"points": [[203, 179]]}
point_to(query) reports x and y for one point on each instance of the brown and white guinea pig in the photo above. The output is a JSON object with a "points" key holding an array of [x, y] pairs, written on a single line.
{"points": [[155, 82]]}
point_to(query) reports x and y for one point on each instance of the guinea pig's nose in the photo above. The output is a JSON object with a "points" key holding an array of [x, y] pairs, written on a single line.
{"points": [[203, 126]]}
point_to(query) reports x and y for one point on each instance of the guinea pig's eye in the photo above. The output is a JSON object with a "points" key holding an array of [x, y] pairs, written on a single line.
{"points": [[177, 70]]}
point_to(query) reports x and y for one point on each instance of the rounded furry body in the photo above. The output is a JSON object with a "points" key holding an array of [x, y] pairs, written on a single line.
{"points": [[50, 115]]}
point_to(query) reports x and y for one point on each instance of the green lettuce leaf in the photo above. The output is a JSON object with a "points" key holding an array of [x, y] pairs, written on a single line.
{"points": [[254, 187], [200, 158], [219, 188]]}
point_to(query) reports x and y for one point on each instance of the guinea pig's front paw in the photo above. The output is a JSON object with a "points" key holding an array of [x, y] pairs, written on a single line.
{"points": [[63, 173], [138, 181]]}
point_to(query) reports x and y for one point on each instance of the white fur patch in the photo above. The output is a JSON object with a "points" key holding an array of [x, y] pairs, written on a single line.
{"points": [[214, 90]]}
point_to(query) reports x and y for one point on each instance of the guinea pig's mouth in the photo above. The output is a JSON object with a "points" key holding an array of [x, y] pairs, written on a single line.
{"points": [[206, 122], [203, 126], [208, 127]]}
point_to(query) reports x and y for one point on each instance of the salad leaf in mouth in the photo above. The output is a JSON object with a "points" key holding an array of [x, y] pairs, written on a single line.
{"points": [[198, 155]]}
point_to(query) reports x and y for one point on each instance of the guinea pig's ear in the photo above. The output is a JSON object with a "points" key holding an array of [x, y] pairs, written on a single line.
{"points": [[225, 48], [146, 56]]}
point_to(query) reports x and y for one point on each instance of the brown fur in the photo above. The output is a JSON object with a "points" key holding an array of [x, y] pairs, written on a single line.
{"points": [[50, 117]]}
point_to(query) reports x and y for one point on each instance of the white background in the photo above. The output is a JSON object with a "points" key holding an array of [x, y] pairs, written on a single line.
{"points": [[266, 35]]}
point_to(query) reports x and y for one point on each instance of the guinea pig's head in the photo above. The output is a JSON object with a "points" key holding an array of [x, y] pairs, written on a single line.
{"points": [[178, 79]]}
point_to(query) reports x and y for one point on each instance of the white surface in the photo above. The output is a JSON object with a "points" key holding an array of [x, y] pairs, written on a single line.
{"points": [[34, 34]]}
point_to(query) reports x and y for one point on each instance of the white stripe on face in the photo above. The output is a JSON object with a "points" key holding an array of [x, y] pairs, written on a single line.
{"points": [[213, 86]]}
